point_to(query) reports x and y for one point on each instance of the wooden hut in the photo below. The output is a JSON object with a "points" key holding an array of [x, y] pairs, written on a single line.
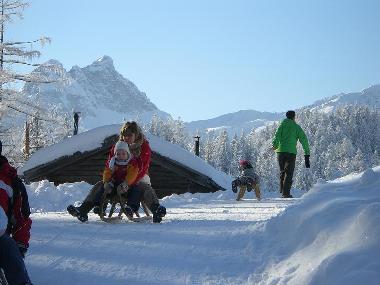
{"points": [[167, 175]]}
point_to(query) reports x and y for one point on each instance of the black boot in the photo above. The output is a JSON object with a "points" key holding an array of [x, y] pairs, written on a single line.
{"points": [[128, 212], [158, 214], [80, 212], [96, 210]]}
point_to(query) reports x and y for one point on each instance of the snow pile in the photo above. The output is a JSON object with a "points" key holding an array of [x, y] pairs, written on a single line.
{"points": [[45, 197], [332, 237]]}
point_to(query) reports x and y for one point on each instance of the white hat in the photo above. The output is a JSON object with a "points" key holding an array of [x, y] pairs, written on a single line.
{"points": [[122, 145]]}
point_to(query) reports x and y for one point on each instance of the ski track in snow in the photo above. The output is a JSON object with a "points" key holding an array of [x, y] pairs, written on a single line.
{"points": [[204, 243]]}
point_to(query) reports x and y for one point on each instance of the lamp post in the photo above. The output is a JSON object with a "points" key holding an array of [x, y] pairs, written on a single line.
{"points": [[197, 145], [76, 122]]}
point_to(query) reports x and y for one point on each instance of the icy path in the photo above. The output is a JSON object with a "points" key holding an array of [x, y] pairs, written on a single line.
{"points": [[196, 244]]}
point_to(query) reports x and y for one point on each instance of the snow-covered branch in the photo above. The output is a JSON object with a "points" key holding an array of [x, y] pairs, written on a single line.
{"points": [[42, 41]]}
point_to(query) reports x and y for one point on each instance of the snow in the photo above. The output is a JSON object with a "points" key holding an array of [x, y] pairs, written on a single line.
{"points": [[94, 138], [327, 236]]}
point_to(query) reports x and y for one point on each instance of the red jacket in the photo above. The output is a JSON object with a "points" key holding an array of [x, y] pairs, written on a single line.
{"points": [[11, 202], [143, 161]]}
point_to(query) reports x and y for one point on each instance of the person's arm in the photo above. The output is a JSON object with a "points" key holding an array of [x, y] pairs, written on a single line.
{"points": [[107, 174], [277, 137], [132, 172], [25, 207], [144, 160], [304, 141], [21, 229]]}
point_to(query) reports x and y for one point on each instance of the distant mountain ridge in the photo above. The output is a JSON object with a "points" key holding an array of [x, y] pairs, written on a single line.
{"points": [[368, 97], [237, 122], [246, 120], [98, 91]]}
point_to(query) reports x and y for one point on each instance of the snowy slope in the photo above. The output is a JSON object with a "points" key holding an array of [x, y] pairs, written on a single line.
{"points": [[98, 91], [94, 138], [368, 97], [235, 123], [329, 236], [246, 120]]}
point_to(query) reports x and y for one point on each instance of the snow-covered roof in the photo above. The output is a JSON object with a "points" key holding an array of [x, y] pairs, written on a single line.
{"points": [[94, 139]]}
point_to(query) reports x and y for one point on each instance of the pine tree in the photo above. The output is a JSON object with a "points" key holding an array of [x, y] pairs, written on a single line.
{"points": [[223, 152]]}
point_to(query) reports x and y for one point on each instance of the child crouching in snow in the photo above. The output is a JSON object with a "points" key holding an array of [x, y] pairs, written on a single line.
{"points": [[247, 180]]}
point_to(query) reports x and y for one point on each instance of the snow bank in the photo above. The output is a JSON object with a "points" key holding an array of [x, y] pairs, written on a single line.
{"points": [[94, 138], [331, 237], [45, 197]]}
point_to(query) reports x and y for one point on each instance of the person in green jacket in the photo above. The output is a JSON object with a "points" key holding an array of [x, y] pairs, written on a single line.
{"points": [[285, 144]]}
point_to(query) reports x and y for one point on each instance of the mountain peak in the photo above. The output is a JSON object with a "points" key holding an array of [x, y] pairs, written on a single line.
{"points": [[104, 63], [104, 60], [52, 62]]}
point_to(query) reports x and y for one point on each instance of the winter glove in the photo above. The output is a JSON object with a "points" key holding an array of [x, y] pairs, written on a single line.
{"points": [[307, 161], [123, 187], [108, 187], [23, 248]]}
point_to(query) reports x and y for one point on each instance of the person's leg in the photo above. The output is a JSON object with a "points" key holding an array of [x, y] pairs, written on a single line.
{"points": [[11, 262], [257, 191], [241, 192], [289, 171], [88, 203], [95, 194], [281, 163], [133, 198], [150, 198]]}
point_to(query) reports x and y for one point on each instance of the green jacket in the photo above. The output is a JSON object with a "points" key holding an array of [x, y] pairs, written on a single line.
{"points": [[287, 135]]}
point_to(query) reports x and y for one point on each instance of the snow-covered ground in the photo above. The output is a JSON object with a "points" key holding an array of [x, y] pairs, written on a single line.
{"points": [[328, 236]]}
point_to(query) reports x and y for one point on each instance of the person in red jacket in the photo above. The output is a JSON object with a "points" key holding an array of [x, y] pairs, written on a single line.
{"points": [[15, 225], [143, 191], [139, 190]]}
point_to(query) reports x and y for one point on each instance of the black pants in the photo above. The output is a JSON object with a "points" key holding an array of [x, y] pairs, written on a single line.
{"points": [[287, 162]]}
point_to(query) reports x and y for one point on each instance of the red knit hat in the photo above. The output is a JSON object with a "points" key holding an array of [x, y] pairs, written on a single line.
{"points": [[243, 162]]}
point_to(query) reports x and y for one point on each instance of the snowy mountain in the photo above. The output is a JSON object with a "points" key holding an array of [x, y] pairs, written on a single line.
{"points": [[244, 120], [98, 91], [368, 97]]}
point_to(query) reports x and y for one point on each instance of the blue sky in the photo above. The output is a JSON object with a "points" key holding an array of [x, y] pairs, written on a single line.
{"points": [[200, 59]]}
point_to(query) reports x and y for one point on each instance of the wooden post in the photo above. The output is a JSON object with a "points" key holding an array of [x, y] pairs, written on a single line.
{"points": [[27, 140]]}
